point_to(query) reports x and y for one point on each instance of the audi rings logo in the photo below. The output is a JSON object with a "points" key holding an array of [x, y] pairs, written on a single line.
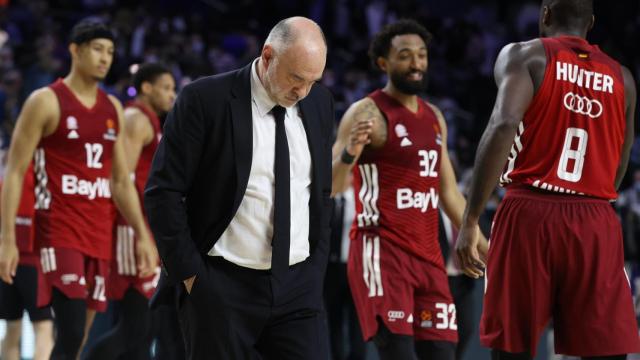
{"points": [[394, 314], [583, 105]]}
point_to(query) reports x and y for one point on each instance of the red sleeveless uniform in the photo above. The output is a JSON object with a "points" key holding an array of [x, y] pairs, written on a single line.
{"points": [[555, 254], [74, 212], [395, 267], [397, 187], [123, 266], [73, 167], [579, 112]]}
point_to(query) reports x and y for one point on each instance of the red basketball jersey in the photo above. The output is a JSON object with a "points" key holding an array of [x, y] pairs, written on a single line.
{"points": [[397, 186], [571, 137], [73, 166], [146, 156]]}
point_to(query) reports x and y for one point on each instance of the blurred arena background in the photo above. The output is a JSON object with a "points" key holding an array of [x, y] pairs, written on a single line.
{"points": [[200, 38]]}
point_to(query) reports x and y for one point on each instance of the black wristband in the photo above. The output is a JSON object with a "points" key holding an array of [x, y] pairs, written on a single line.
{"points": [[346, 157]]}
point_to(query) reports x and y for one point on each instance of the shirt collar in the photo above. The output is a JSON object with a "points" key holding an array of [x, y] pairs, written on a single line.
{"points": [[259, 94]]}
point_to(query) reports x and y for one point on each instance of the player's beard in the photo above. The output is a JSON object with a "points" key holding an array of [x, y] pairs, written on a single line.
{"points": [[410, 87]]}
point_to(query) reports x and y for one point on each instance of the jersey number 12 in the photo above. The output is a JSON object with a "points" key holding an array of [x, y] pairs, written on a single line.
{"points": [[94, 153]]}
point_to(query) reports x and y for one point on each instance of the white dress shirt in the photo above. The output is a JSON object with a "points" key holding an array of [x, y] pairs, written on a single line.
{"points": [[247, 239]]}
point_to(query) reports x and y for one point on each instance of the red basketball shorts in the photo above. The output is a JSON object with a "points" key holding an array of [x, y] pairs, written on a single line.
{"points": [[408, 294], [557, 257], [76, 275], [124, 272]]}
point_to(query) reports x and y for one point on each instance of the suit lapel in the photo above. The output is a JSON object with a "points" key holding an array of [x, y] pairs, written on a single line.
{"points": [[241, 119]]}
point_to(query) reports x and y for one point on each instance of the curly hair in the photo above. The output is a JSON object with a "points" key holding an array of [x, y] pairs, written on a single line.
{"points": [[381, 43]]}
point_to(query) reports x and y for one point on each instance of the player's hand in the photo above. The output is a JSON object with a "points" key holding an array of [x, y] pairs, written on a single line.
{"points": [[188, 284], [9, 257], [471, 250], [359, 136], [146, 255]]}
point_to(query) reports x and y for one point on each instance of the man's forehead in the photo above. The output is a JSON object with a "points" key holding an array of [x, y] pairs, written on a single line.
{"points": [[407, 41]]}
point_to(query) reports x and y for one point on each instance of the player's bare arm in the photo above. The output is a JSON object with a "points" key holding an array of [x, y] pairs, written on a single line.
{"points": [[138, 133], [39, 117], [452, 201], [515, 91], [630, 109], [125, 197], [360, 125]]}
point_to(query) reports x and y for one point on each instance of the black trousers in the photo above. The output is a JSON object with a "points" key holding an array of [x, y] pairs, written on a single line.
{"points": [[237, 313]]}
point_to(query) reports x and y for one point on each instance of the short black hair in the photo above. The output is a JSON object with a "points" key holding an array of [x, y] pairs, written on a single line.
{"points": [[90, 29], [381, 43], [148, 73], [570, 13]]}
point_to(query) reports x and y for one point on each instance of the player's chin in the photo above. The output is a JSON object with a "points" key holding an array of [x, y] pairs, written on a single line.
{"points": [[99, 76]]}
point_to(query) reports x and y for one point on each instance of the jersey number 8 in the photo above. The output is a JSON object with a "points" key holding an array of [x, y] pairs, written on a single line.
{"points": [[577, 155]]}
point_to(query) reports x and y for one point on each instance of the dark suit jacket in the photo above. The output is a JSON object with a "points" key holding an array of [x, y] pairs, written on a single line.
{"points": [[201, 168]]}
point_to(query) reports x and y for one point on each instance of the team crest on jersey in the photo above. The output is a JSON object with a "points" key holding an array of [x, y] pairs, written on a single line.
{"points": [[72, 126], [111, 130]]}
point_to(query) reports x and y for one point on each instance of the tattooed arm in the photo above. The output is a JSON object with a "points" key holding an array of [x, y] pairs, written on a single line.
{"points": [[360, 126]]}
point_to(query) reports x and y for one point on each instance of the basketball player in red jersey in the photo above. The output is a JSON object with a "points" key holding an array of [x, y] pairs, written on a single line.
{"points": [[21, 295], [399, 143], [563, 121], [130, 338], [72, 127]]}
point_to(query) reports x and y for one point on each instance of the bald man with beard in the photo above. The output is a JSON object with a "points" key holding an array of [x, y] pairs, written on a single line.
{"points": [[238, 200]]}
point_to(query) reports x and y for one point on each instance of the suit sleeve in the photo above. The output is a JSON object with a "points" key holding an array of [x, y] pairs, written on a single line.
{"points": [[172, 174], [322, 250]]}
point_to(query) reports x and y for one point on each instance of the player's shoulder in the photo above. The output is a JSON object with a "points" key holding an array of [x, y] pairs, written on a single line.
{"points": [[520, 55], [364, 104], [436, 110], [116, 103], [135, 114], [521, 51], [43, 97]]}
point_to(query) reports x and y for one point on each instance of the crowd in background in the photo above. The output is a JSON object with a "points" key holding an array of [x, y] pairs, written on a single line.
{"points": [[199, 38]]}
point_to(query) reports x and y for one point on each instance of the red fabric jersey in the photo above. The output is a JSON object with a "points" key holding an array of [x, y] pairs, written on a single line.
{"points": [[146, 156], [397, 186], [571, 137], [73, 166]]}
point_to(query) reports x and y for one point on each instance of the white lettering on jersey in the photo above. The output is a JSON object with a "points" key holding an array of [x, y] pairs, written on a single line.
{"points": [[71, 185], [584, 78], [407, 199]]}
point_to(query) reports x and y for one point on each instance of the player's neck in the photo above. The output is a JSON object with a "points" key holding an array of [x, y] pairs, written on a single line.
{"points": [[146, 103], [408, 100], [81, 85], [567, 32]]}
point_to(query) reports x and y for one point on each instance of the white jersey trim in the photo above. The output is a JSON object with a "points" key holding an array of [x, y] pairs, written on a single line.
{"points": [[368, 196], [42, 193]]}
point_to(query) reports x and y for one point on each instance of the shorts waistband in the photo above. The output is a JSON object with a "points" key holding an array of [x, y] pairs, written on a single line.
{"points": [[524, 191]]}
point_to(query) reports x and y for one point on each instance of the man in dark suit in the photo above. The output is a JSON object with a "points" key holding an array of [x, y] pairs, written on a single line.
{"points": [[238, 201]]}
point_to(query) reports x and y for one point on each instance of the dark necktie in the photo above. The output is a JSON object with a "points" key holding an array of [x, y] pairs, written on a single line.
{"points": [[282, 199]]}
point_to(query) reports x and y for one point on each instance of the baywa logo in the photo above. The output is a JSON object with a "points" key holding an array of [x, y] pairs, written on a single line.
{"points": [[583, 105]]}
